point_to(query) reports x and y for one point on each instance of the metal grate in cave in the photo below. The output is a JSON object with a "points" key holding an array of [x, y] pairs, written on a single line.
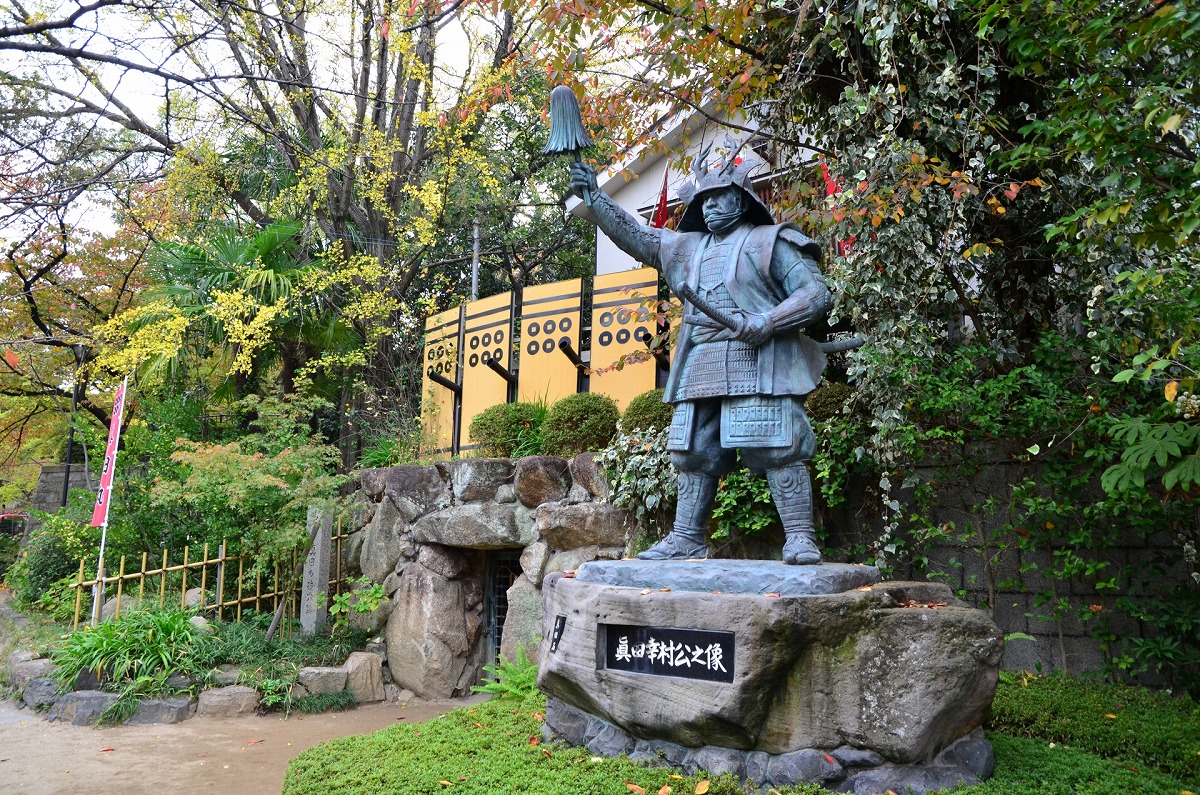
{"points": [[503, 569]]}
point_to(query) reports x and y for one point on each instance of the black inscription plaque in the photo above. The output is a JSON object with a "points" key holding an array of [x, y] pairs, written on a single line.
{"points": [[560, 623], [667, 651]]}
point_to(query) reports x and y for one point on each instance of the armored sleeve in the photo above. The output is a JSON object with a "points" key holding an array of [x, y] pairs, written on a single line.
{"points": [[636, 239], [796, 273]]}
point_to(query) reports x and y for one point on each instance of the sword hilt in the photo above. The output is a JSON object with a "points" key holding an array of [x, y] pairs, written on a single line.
{"points": [[687, 293]]}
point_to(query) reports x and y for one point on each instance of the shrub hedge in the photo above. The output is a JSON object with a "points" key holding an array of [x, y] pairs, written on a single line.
{"points": [[648, 412], [579, 423], [503, 429]]}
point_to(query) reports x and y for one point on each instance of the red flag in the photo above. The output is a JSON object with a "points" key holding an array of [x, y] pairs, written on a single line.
{"points": [[661, 216], [104, 495]]}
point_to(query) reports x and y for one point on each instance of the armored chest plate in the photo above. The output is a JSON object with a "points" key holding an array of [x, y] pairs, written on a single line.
{"points": [[717, 366]]}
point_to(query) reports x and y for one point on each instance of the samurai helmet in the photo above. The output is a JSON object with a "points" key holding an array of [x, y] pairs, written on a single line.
{"points": [[733, 168]]}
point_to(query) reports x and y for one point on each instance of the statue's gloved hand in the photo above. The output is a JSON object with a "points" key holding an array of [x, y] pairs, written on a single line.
{"points": [[753, 329], [583, 179]]}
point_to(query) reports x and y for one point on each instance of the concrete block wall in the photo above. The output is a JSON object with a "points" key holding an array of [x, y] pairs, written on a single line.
{"points": [[47, 495]]}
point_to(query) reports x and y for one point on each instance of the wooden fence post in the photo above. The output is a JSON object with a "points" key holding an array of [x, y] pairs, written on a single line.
{"points": [[221, 579]]}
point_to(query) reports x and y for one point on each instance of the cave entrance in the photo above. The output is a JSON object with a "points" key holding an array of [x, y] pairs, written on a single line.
{"points": [[503, 567]]}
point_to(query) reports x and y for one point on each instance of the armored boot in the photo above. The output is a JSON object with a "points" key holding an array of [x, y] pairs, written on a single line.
{"points": [[687, 539], [792, 492]]}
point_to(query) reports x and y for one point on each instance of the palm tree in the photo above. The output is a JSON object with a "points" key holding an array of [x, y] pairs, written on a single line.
{"points": [[272, 269]]}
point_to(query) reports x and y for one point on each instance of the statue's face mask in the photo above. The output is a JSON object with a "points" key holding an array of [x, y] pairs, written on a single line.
{"points": [[722, 208], [727, 172]]}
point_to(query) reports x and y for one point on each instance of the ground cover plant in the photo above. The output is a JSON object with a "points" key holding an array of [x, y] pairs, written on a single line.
{"points": [[1052, 735], [272, 667], [133, 655], [35, 633], [1146, 728], [492, 748], [137, 653]]}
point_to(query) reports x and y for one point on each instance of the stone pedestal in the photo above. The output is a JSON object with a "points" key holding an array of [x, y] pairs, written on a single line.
{"points": [[777, 673]]}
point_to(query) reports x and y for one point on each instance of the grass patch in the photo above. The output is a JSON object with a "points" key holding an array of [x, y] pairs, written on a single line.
{"points": [[325, 702], [37, 633], [273, 668], [492, 748], [495, 748], [1148, 730], [1027, 766]]}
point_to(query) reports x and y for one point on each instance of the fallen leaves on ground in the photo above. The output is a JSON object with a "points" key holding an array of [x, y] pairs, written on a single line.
{"points": [[702, 787]]}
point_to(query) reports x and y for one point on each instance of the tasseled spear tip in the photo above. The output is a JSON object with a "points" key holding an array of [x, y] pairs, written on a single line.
{"points": [[566, 125]]}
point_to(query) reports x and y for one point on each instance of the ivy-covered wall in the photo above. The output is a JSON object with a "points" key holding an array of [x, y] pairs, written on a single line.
{"points": [[1074, 585]]}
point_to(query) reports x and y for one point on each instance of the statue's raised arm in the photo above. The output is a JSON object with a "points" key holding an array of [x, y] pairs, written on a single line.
{"points": [[631, 236]]}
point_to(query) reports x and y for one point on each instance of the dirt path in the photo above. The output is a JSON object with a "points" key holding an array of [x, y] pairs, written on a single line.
{"points": [[235, 756]]}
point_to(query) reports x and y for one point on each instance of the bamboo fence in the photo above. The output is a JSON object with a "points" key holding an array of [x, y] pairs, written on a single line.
{"points": [[227, 586]]}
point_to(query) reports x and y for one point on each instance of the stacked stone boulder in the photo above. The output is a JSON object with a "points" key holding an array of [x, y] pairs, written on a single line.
{"points": [[424, 531], [361, 674], [827, 675]]}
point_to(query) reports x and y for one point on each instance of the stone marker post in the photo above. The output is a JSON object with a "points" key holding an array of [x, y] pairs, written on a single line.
{"points": [[314, 605]]}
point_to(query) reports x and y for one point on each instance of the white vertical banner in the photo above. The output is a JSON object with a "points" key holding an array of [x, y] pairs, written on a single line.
{"points": [[104, 495]]}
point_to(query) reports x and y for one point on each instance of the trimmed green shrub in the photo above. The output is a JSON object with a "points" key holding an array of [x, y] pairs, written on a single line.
{"points": [[648, 412], [54, 550], [508, 430], [827, 401], [579, 423], [44, 561]]}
